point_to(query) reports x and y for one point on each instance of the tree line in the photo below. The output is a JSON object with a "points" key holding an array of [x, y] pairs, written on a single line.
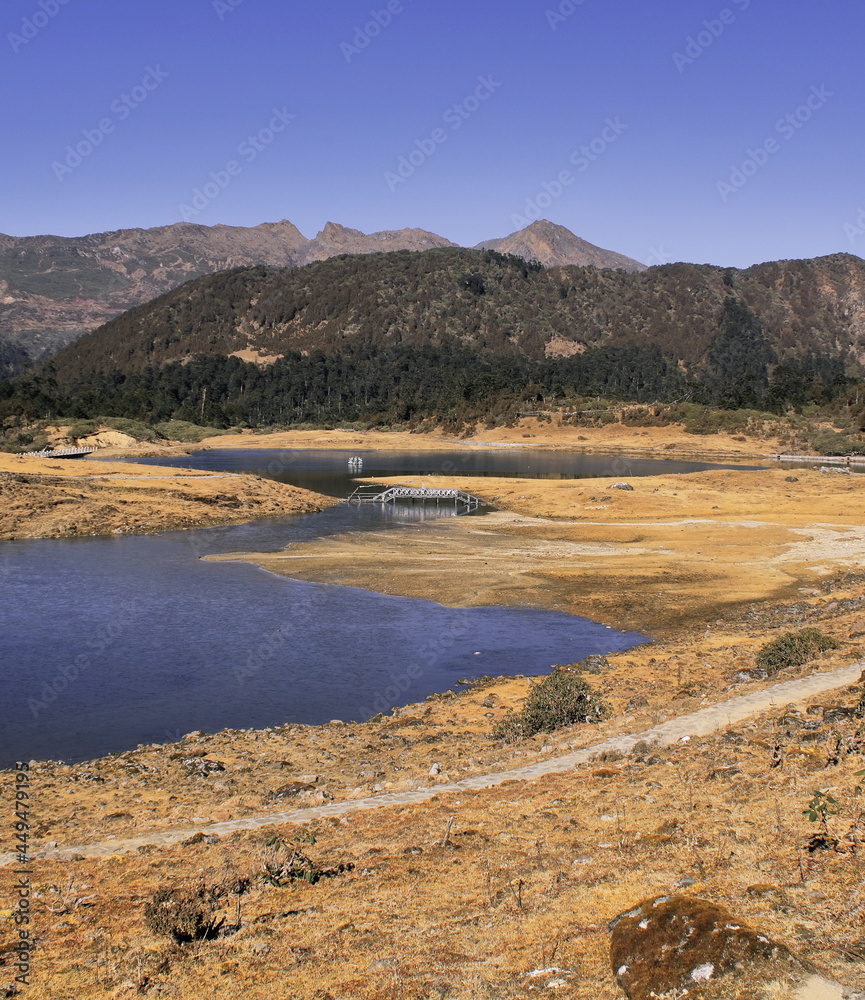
{"points": [[381, 384]]}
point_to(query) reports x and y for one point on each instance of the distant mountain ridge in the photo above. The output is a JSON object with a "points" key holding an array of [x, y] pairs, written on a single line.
{"points": [[54, 289]]}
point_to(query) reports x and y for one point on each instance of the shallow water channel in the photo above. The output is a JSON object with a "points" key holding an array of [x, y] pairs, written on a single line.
{"points": [[109, 642]]}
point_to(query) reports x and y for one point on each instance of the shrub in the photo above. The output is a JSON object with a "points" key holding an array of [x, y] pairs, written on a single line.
{"points": [[561, 699], [84, 428], [793, 649], [826, 442], [184, 916], [182, 430], [283, 862]]}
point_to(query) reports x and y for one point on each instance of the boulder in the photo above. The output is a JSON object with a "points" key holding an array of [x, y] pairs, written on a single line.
{"points": [[682, 942], [290, 790], [620, 486]]}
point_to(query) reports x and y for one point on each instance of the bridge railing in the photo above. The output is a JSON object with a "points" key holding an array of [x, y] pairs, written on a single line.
{"points": [[391, 494], [60, 452]]}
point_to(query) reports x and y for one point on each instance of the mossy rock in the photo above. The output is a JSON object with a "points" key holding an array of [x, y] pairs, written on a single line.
{"points": [[685, 943]]}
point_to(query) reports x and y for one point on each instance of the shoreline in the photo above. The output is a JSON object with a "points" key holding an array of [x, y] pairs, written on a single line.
{"points": [[654, 442], [53, 498], [473, 883]]}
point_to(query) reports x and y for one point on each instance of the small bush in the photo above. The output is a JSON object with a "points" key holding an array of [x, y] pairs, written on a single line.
{"points": [[793, 649], [283, 862], [184, 916], [561, 699]]}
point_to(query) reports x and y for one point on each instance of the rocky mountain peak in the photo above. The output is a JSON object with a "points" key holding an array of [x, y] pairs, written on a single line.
{"points": [[553, 245]]}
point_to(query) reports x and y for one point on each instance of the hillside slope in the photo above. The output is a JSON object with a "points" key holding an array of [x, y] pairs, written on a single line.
{"points": [[491, 304]]}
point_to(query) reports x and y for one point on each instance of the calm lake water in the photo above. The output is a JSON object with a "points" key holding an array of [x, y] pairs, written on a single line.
{"points": [[111, 642]]}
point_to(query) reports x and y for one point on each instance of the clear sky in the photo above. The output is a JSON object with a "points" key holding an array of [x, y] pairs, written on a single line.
{"points": [[657, 129]]}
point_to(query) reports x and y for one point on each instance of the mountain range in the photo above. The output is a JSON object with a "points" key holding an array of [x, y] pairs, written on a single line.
{"points": [[55, 289]]}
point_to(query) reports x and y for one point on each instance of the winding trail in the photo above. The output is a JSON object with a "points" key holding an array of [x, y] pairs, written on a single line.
{"points": [[700, 723]]}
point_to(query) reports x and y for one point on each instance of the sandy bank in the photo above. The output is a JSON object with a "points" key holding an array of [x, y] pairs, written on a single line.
{"points": [[52, 498]]}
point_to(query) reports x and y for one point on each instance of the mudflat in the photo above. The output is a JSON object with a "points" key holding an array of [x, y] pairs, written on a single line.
{"points": [[668, 554], [670, 441]]}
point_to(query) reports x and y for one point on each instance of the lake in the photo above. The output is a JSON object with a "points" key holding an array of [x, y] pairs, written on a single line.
{"points": [[111, 642]]}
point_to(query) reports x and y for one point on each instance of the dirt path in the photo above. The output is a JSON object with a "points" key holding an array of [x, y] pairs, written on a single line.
{"points": [[701, 723]]}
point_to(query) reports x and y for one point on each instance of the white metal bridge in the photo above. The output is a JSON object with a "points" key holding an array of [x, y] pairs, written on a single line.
{"points": [[422, 494], [60, 452]]}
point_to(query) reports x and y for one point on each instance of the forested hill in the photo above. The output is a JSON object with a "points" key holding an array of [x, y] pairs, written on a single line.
{"points": [[491, 304]]}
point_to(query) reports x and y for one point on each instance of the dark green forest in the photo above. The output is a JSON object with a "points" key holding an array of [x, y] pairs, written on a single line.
{"points": [[406, 385]]}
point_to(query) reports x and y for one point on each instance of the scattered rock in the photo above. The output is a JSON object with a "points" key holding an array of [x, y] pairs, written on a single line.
{"points": [[200, 838], [279, 765], [677, 942], [791, 479], [620, 486], [763, 889], [201, 767], [594, 663]]}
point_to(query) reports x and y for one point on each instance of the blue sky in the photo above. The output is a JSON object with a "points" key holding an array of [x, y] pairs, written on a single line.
{"points": [[465, 118]]}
